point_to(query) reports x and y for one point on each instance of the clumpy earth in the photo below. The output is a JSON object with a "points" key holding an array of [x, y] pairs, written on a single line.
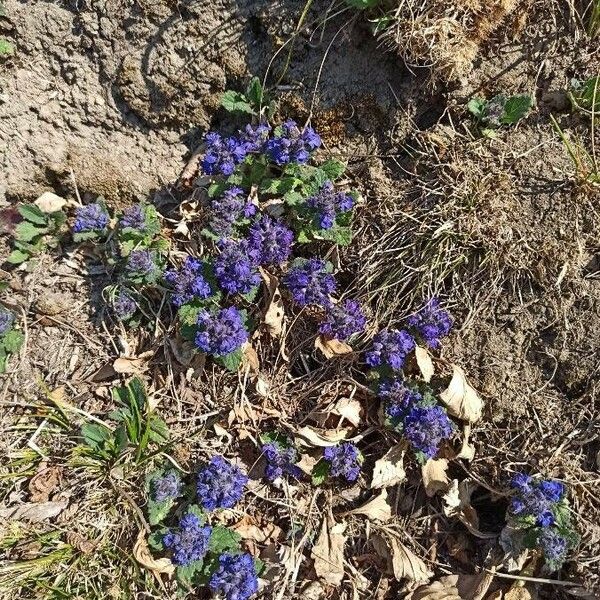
{"points": [[110, 98]]}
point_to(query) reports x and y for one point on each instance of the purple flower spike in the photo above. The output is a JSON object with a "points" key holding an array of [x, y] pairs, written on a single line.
{"points": [[134, 218], [235, 578], [553, 545], [344, 461], [327, 203], [390, 348], [230, 208], [425, 427], [91, 217], [280, 460], [222, 155], [270, 241], [166, 487], [220, 484], [236, 267], [536, 499], [553, 491], [142, 264], [254, 137], [188, 282], [343, 321], [431, 323], [292, 145], [221, 333], [399, 398], [6, 321], [310, 283], [190, 542], [124, 306]]}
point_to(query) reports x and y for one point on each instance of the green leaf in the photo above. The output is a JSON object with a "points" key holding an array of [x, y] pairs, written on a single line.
{"points": [[251, 295], [16, 257], [95, 435], [138, 392], [236, 102], [338, 235], [231, 361], [6, 48], [476, 107], [333, 169], [320, 472], [255, 92], [157, 511], [188, 314], [198, 511], [159, 431], [586, 94], [259, 566], [223, 539], [304, 236], [155, 539], [186, 575], [515, 108], [26, 231], [121, 440], [83, 236], [3, 360], [31, 213], [293, 198], [12, 341]]}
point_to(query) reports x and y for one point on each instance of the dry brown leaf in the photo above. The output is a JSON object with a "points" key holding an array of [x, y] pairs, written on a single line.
{"points": [[348, 409], [467, 450], [331, 348], [183, 350], [34, 512], [141, 553], [307, 463], [131, 365], [328, 552], [444, 589], [250, 529], [520, 592], [49, 202], [402, 562], [461, 399], [274, 311], [322, 438], [475, 587], [457, 504], [80, 542], [424, 363], [43, 483], [376, 509], [435, 477], [389, 470], [262, 387], [497, 595], [250, 358]]}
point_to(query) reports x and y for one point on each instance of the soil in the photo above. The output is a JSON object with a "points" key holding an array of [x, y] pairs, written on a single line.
{"points": [[110, 97]]}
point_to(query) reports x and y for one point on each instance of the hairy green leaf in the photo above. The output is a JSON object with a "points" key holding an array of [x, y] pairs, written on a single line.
{"points": [[31, 213], [515, 108], [231, 361], [12, 341], [223, 539], [320, 472], [157, 511], [16, 257], [26, 231], [236, 102]]}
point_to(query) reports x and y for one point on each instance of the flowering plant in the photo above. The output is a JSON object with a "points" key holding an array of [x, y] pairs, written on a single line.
{"points": [[11, 339]]}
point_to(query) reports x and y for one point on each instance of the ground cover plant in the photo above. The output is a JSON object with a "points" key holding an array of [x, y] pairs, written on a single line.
{"points": [[348, 349]]}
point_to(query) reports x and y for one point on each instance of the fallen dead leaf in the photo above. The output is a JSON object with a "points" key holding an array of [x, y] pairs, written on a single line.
{"points": [[475, 587], [497, 595], [435, 477], [323, 438], [307, 463], [376, 509], [424, 363], [457, 504], [183, 350], [274, 311], [402, 562], [34, 512], [43, 483], [82, 544], [348, 409], [262, 387], [142, 554], [313, 591], [389, 470], [444, 589], [520, 592], [461, 398], [328, 551], [49, 203], [132, 365], [250, 529], [467, 450], [331, 348], [250, 358]]}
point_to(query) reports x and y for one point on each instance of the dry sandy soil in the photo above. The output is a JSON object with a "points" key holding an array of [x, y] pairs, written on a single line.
{"points": [[111, 97]]}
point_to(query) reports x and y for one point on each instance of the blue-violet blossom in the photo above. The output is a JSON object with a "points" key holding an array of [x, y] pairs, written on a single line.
{"points": [[327, 203], [228, 209], [292, 145], [235, 578], [188, 282], [398, 398], [220, 333], [166, 487], [425, 427], [190, 542], [343, 320], [236, 267], [390, 348], [124, 306], [280, 460], [270, 241], [142, 263], [310, 283], [431, 323], [344, 460], [91, 217], [6, 321], [133, 218], [220, 484], [222, 155]]}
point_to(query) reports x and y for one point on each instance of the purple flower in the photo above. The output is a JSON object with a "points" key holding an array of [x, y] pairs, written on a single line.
{"points": [[222, 155], [425, 427], [124, 306], [134, 218], [390, 348], [227, 210], [236, 267], [280, 460], [91, 217], [188, 282], [327, 203], [521, 482], [343, 320], [6, 321], [545, 519], [141, 264], [554, 546], [431, 323], [536, 499], [310, 283], [292, 145], [398, 397], [164, 488], [344, 460], [220, 484], [254, 137], [553, 491], [235, 578], [190, 542], [270, 241], [221, 333]]}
